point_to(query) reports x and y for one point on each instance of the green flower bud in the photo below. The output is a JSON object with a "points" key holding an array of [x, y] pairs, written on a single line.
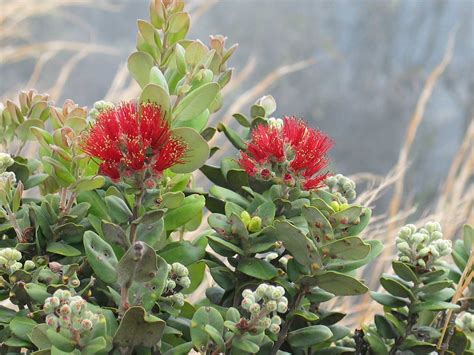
{"points": [[245, 217], [274, 328], [260, 291], [16, 255], [16, 266], [3, 261], [421, 262], [335, 205], [278, 293], [170, 285], [29, 265]]}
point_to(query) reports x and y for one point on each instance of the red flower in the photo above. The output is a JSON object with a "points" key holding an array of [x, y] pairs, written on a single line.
{"points": [[293, 153], [131, 138]]}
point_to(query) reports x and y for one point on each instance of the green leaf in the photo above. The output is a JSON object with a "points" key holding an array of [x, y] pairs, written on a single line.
{"points": [[62, 249], [138, 328], [241, 119], [395, 287], [300, 247], [118, 209], [156, 94], [336, 283], [437, 286], [434, 306], [22, 327], [233, 136], [202, 317], [384, 327], [35, 180], [224, 243], [39, 337], [228, 196], [195, 102], [139, 264], [404, 271], [114, 234], [178, 217], [245, 345], [89, 183], [319, 227], [350, 248], [388, 300], [309, 336], [157, 78], [184, 252], [139, 65], [197, 150], [101, 257], [260, 269]]}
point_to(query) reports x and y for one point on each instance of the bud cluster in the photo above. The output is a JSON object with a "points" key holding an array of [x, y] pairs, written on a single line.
{"points": [[178, 278], [264, 304], [10, 260], [253, 224], [5, 161], [424, 247], [67, 312], [99, 107], [466, 322], [342, 187]]}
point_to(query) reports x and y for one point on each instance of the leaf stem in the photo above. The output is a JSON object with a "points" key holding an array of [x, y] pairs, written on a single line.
{"points": [[136, 212]]}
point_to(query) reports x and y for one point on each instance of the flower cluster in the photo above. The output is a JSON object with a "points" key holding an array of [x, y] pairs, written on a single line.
{"points": [[287, 151], [5, 161], [70, 313], [133, 138], [178, 278], [263, 304], [341, 186], [422, 248], [253, 224]]}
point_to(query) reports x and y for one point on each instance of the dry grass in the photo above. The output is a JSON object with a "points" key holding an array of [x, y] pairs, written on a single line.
{"points": [[455, 201]]}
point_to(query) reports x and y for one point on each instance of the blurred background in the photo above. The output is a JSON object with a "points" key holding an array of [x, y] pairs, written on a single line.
{"points": [[391, 81]]}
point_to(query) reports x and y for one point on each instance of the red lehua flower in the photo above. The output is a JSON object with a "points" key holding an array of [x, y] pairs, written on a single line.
{"points": [[131, 138], [295, 152]]}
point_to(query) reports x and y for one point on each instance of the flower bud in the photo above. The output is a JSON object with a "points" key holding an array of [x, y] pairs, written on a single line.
{"points": [[86, 324], [171, 285], [184, 282], [29, 265], [3, 261], [65, 310], [335, 205], [247, 302], [274, 328], [271, 306], [52, 321], [247, 293], [282, 307], [265, 322], [255, 224], [276, 320], [271, 256], [254, 308], [261, 289], [245, 217], [16, 266]]}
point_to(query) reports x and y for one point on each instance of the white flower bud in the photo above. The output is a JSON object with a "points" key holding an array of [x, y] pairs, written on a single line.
{"points": [[282, 307], [276, 320], [254, 308], [247, 302], [185, 282], [274, 328], [5, 162], [247, 293], [271, 306], [271, 256]]}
